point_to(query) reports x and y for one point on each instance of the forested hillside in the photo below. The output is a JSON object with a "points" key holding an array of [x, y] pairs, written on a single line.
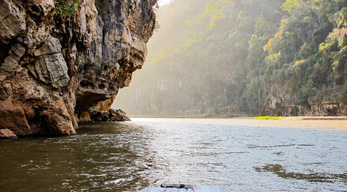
{"points": [[253, 57]]}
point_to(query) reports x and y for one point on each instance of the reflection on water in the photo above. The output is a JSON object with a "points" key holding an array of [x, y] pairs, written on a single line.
{"points": [[148, 152], [311, 177]]}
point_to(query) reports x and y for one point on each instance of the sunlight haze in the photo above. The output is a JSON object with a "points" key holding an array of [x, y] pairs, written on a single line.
{"points": [[163, 2], [173, 95]]}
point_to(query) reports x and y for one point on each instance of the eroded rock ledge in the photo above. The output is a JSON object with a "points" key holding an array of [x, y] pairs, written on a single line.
{"points": [[55, 70]]}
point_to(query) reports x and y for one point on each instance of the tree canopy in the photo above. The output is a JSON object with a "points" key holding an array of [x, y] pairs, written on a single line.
{"points": [[254, 57]]}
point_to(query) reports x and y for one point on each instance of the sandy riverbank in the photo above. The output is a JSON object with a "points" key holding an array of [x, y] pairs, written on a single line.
{"points": [[283, 123]]}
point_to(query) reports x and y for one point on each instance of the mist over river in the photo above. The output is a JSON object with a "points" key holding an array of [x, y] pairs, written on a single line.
{"points": [[148, 152]]}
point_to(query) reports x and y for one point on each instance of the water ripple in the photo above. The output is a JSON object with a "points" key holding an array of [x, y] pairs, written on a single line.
{"points": [[148, 152]]}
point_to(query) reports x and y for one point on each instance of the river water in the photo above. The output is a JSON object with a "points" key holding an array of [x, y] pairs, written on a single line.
{"points": [[148, 152]]}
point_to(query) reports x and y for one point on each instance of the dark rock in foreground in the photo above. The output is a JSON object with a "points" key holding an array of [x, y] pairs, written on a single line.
{"points": [[54, 69]]}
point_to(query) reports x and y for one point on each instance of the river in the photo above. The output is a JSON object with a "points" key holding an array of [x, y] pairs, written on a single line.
{"points": [[133, 155]]}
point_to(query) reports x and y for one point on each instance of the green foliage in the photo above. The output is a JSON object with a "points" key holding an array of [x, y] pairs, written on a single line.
{"points": [[289, 5], [305, 50], [319, 35], [267, 118], [343, 17], [343, 42], [66, 9], [264, 27], [235, 56], [329, 47]]}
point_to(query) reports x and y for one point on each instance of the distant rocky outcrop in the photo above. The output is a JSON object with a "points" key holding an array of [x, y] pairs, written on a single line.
{"points": [[57, 68], [282, 103]]}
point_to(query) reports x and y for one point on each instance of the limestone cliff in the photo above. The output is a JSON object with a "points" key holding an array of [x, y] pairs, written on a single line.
{"points": [[123, 29], [56, 56], [282, 102]]}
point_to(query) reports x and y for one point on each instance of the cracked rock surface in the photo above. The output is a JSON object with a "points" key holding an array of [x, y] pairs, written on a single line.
{"points": [[56, 71], [123, 29]]}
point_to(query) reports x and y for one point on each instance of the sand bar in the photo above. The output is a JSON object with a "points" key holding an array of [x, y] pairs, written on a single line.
{"points": [[283, 123]]}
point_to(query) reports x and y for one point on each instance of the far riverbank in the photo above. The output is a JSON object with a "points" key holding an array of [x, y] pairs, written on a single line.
{"points": [[285, 122]]}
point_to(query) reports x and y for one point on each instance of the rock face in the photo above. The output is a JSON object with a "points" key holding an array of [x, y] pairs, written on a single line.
{"points": [[53, 63], [7, 134], [283, 103], [123, 29], [111, 115]]}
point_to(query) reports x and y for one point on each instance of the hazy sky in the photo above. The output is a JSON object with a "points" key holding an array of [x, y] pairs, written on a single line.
{"points": [[163, 2]]}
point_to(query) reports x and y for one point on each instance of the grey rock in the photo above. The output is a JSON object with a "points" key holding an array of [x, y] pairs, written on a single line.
{"points": [[118, 50], [12, 21], [57, 69], [10, 63], [18, 49], [51, 45], [51, 66]]}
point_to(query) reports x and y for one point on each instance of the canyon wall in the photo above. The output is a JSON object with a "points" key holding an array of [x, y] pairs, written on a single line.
{"points": [[61, 61]]}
